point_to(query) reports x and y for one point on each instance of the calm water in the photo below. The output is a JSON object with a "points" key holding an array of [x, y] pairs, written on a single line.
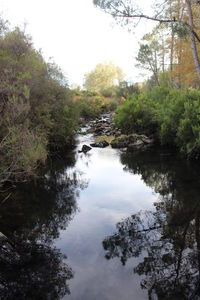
{"points": [[104, 225]]}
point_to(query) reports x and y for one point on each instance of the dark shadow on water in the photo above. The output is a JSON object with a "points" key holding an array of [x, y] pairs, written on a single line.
{"points": [[30, 220], [167, 239]]}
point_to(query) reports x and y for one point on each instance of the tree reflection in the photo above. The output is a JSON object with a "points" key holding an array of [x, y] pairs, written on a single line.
{"points": [[34, 271], [30, 265], [167, 239]]}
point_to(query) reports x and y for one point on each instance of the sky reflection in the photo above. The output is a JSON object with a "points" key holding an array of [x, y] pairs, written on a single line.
{"points": [[112, 195]]}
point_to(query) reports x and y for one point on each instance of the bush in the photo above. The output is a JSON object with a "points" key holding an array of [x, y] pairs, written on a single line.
{"points": [[90, 105], [136, 114], [173, 116], [35, 107], [188, 131]]}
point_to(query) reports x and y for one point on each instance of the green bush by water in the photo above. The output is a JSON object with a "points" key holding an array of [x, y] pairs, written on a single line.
{"points": [[171, 115]]}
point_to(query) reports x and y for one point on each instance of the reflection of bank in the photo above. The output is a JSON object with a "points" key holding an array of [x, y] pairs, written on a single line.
{"points": [[33, 271], [30, 266], [168, 237]]}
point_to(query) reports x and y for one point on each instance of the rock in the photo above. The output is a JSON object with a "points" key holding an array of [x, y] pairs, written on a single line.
{"points": [[149, 141], [101, 144], [85, 148], [120, 142], [103, 125], [132, 141], [98, 130], [136, 146], [117, 133]]}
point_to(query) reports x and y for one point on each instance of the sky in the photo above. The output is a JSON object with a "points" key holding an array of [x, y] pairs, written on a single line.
{"points": [[77, 35]]}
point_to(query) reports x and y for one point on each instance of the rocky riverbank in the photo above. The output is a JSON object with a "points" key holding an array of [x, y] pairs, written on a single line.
{"points": [[106, 134]]}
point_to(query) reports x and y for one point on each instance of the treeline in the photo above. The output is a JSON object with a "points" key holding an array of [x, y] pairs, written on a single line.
{"points": [[92, 102], [104, 90], [37, 113]]}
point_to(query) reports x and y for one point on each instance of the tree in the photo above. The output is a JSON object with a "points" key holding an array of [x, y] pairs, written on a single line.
{"points": [[192, 36], [127, 12], [148, 58], [103, 77]]}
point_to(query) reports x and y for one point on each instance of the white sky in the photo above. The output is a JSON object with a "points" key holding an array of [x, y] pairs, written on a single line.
{"points": [[77, 35]]}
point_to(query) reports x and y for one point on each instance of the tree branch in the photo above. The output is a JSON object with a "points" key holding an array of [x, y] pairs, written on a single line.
{"points": [[117, 13]]}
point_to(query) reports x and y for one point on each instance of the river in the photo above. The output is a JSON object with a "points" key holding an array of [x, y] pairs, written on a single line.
{"points": [[105, 225]]}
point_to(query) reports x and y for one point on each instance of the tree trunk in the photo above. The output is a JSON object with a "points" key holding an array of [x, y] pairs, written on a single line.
{"points": [[180, 50], [192, 37], [156, 67], [171, 54], [172, 44], [163, 55]]}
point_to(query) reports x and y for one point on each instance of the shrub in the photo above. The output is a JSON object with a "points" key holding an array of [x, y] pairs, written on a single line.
{"points": [[136, 114], [173, 116]]}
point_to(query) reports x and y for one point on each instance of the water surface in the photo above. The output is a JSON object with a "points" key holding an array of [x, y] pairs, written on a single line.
{"points": [[105, 225]]}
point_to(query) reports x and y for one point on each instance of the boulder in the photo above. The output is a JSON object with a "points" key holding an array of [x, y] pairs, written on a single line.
{"points": [[85, 148], [98, 130], [120, 142], [137, 145], [101, 144], [117, 133], [146, 139], [131, 141]]}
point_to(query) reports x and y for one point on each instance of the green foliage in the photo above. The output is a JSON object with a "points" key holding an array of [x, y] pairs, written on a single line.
{"points": [[90, 105], [134, 115], [148, 58], [188, 132], [126, 89], [112, 105], [171, 115], [36, 110], [103, 77], [168, 114], [21, 150], [182, 29], [64, 121]]}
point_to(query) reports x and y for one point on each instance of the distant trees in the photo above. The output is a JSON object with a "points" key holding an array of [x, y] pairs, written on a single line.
{"points": [[180, 18], [103, 77], [148, 58]]}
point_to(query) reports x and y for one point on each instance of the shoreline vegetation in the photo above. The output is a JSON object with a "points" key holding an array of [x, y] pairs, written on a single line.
{"points": [[170, 116], [36, 108]]}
